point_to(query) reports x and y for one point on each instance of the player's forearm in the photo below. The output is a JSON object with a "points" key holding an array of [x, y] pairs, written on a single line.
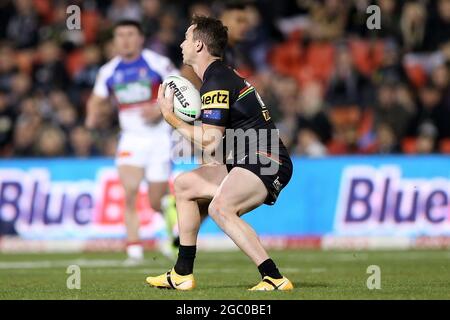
{"points": [[93, 108], [91, 117], [207, 141], [190, 132]]}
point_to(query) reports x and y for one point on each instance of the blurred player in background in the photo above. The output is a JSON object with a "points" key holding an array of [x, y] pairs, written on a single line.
{"points": [[234, 16], [237, 186], [132, 79]]}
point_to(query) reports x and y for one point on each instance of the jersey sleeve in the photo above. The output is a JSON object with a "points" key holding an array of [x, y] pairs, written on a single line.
{"points": [[215, 96], [162, 64], [169, 69]]}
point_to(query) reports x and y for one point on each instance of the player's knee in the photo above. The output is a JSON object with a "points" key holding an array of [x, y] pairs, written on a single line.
{"points": [[184, 186], [131, 195], [181, 183], [219, 210], [213, 210], [156, 203]]}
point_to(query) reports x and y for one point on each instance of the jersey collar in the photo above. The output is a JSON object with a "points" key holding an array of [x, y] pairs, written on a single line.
{"points": [[210, 68]]}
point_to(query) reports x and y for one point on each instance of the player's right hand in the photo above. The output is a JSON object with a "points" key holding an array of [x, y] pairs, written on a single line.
{"points": [[165, 103]]}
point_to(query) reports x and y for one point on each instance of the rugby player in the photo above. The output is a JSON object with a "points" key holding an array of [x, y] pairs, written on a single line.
{"points": [[234, 16], [237, 185], [132, 78]]}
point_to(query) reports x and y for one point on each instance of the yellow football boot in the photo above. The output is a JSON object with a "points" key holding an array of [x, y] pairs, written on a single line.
{"points": [[269, 284], [172, 280]]}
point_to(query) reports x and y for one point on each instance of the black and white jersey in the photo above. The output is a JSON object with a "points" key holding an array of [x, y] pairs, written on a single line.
{"points": [[230, 101]]}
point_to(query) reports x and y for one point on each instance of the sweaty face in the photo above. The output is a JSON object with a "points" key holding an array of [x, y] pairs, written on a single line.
{"points": [[188, 46], [128, 41], [237, 23]]}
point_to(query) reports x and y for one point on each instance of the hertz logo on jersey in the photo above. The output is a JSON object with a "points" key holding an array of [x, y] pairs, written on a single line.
{"points": [[216, 99]]}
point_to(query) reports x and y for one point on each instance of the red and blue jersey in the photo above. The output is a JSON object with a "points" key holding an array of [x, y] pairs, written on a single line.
{"points": [[133, 85]]}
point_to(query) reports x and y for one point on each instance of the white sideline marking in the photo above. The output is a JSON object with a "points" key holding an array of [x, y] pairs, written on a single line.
{"points": [[158, 265], [60, 263], [46, 264]]}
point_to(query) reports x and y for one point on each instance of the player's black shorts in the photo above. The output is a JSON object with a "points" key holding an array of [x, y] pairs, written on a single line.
{"points": [[274, 181]]}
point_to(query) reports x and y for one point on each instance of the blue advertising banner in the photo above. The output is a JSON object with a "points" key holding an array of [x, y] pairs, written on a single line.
{"points": [[340, 196]]}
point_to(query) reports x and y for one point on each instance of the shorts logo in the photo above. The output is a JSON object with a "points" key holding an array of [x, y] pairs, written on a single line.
{"points": [[216, 99], [123, 154], [277, 184]]}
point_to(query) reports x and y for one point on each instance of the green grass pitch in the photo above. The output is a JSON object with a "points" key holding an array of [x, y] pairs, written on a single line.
{"points": [[412, 274]]}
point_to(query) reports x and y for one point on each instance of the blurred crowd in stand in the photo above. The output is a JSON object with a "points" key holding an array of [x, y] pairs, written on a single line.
{"points": [[333, 85]]}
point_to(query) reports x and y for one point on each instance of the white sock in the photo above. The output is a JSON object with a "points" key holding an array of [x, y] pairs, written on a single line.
{"points": [[135, 251]]}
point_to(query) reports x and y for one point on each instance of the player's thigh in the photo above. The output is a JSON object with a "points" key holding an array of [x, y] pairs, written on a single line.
{"points": [[130, 161], [130, 177], [158, 164], [132, 150], [240, 192], [200, 183]]}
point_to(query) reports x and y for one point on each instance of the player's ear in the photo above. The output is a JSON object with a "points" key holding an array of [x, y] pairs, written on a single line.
{"points": [[141, 39], [199, 46]]}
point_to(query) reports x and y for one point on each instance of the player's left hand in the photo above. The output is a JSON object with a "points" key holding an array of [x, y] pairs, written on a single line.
{"points": [[165, 103]]}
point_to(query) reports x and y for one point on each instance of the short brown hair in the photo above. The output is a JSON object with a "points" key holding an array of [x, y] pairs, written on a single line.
{"points": [[129, 23], [212, 33]]}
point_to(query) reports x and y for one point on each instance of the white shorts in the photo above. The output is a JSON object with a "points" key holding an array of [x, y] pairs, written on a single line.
{"points": [[151, 152]]}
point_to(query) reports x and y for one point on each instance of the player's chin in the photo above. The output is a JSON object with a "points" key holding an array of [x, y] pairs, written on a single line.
{"points": [[186, 61], [127, 54]]}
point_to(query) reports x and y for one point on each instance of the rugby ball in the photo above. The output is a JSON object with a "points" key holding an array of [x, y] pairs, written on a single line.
{"points": [[186, 98]]}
